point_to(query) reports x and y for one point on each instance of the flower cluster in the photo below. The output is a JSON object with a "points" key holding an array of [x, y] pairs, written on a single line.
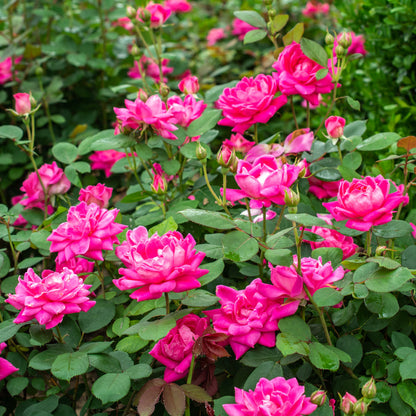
{"points": [[105, 160], [6, 69], [149, 68], [98, 194]]}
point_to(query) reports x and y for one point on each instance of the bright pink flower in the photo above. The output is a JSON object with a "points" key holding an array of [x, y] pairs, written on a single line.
{"points": [[47, 300], [313, 8], [357, 44], [332, 404], [159, 185], [89, 230], [414, 229], [251, 101], [265, 180], [158, 170], [176, 6], [257, 214], [78, 265], [238, 143], [186, 111], [105, 160], [322, 189], [315, 275], [175, 350], [277, 397], [157, 265], [189, 85], [366, 202], [98, 194], [335, 126], [158, 14], [250, 316], [214, 35], [332, 238], [22, 103], [150, 68], [296, 75], [152, 113], [240, 28], [6, 368], [6, 69], [321, 101], [125, 23]]}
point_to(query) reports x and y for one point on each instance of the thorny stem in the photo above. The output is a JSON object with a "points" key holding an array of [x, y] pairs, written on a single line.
{"points": [[58, 332], [189, 381], [219, 201], [167, 303], [279, 220], [339, 150]]}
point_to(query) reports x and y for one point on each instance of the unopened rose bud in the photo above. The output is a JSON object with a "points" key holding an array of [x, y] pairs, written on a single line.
{"points": [[201, 153], [272, 13], [335, 126], [22, 103], [233, 167], [142, 95], [225, 157], [369, 389], [380, 250], [131, 12], [135, 50], [164, 90], [292, 200], [145, 15], [189, 85], [345, 40], [159, 185], [39, 71], [329, 39], [347, 403], [318, 397], [360, 407], [339, 51]]}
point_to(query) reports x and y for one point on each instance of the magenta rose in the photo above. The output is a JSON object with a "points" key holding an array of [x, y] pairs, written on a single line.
{"points": [[322, 189], [6, 368], [251, 101], [22, 103], [265, 180], [48, 299], [78, 265], [158, 14], [296, 75], [366, 202], [176, 6], [335, 126], [189, 85], [250, 316], [88, 231], [277, 397], [175, 350], [98, 194], [150, 68], [214, 35], [6, 69], [157, 265], [186, 111], [238, 143], [105, 160], [240, 28], [357, 43], [312, 9]]}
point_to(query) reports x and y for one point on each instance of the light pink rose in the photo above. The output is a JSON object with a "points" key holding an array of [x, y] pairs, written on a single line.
{"points": [[322, 189], [6, 69], [139, 115], [22, 103], [335, 126], [277, 397], [313, 8], [150, 68], [88, 230], [251, 101], [158, 14], [265, 180], [357, 44], [332, 238], [175, 349], [240, 28], [296, 75], [156, 265], [159, 185], [47, 300], [214, 35], [105, 160], [186, 111], [6, 368], [189, 85], [366, 202], [346, 403], [238, 143], [125, 23], [176, 6], [250, 316], [98, 194]]}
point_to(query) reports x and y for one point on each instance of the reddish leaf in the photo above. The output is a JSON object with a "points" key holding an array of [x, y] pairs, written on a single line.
{"points": [[149, 395], [196, 393], [407, 143], [174, 400]]}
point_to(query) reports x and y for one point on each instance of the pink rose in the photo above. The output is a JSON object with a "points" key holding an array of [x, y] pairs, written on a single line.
{"points": [[296, 75], [175, 350], [78, 265], [240, 28], [335, 126], [251, 101], [157, 265], [322, 189], [105, 160], [357, 43], [414, 229], [186, 111], [366, 202], [264, 180], [250, 316], [6, 368], [150, 68], [89, 230], [22, 103], [158, 170], [158, 14], [332, 238], [346, 403], [125, 23], [159, 185], [189, 85], [238, 143], [47, 300], [98, 194], [214, 35], [313, 8], [176, 6], [6, 69], [277, 397]]}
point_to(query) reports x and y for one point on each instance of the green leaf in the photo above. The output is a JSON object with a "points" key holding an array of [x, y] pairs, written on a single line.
{"points": [[43, 408], [281, 257], [352, 346], [29, 262], [81, 167], [39, 239], [278, 23], [294, 325], [8, 329], [196, 393], [326, 169], [65, 152], [289, 344], [383, 280], [407, 392], [171, 167], [139, 371], [384, 304], [40, 335], [407, 368], [111, 387], [409, 257], [4, 266], [69, 365], [77, 59], [198, 298], [323, 357], [364, 272], [144, 151], [251, 17], [95, 347], [348, 174], [401, 340], [120, 325], [379, 141], [239, 246], [354, 104], [131, 344], [105, 363], [321, 74], [314, 51], [254, 36], [268, 369], [11, 132], [97, 317], [72, 175], [327, 296], [332, 254], [206, 122], [393, 229], [356, 128], [352, 160], [106, 140], [44, 360], [16, 385], [294, 35], [385, 262], [254, 357], [209, 218], [342, 355], [307, 220], [215, 269], [155, 330], [166, 225], [397, 404]]}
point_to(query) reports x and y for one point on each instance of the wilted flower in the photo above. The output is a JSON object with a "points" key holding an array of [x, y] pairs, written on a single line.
{"points": [[48, 299], [6, 368], [98, 194], [156, 265]]}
